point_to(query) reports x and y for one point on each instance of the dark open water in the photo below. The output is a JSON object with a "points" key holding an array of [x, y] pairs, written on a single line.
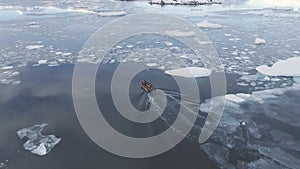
{"points": [[44, 96]]}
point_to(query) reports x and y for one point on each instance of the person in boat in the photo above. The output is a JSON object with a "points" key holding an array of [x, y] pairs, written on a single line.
{"points": [[147, 86]]}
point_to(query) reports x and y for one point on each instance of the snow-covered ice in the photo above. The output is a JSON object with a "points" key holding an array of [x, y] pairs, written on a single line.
{"points": [[289, 67], [206, 24], [37, 143], [190, 72]]}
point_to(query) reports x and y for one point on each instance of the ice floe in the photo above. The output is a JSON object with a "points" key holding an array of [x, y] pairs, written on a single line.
{"points": [[169, 43], [190, 72], [6, 67], [37, 143], [179, 33], [234, 98], [111, 13], [31, 47], [42, 62], [289, 67], [151, 64], [206, 24], [260, 41]]}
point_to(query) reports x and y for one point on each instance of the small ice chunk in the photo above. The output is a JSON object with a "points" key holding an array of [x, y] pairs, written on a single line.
{"points": [[129, 46], [111, 13], [234, 98], [3, 165], [42, 62], [179, 33], [6, 67], [151, 64], [243, 123], [190, 72], [38, 143], [206, 24], [16, 82], [31, 47], [289, 67], [260, 41], [6, 81], [169, 43], [53, 63], [66, 54], [14, 74], [227, 35]]}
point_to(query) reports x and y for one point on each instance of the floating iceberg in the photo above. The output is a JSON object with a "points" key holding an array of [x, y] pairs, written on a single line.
{"points": [[206, 24], [38, 143], [260, 41], [190, 72], [289, 67]]}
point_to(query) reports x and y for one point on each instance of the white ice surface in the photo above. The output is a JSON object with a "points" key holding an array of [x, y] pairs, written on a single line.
{"points": [[111, 13], [190, 72]]}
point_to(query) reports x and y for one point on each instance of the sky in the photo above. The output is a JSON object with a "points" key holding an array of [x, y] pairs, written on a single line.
{"points": [[278, 3]]}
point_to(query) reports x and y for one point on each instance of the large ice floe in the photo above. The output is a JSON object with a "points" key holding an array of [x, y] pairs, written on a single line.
{"points": [[258, 130], [37, 143], [190, 72], [289, 67]]}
